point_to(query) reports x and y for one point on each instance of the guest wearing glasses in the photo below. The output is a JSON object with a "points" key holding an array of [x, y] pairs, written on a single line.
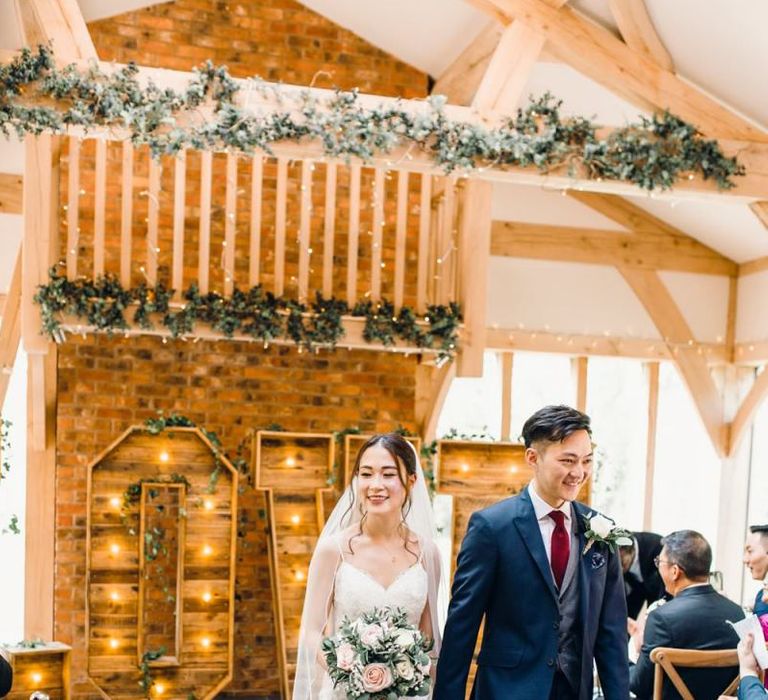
{"points": [[695, 618]]}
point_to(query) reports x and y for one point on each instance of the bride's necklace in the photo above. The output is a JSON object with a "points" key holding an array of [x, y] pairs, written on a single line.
{"points": [[388, 550]]}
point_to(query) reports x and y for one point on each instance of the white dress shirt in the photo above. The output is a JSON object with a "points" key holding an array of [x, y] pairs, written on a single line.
{"points": [[546, 524]]}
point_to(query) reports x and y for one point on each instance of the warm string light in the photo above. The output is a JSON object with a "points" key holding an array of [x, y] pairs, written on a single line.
{"points": [[207, 550], [295, 519], [298, 575], [115, 596], [208, 504], [205, 642], [36, 677], [465, 468], [114, 502], [114, 548], [290, 461], [207, 597], [114, 643], [164, 456]]}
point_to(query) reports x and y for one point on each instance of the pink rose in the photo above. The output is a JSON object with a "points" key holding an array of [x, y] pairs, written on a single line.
{"points": [[370, 635], [376, 677], [345, 656]]}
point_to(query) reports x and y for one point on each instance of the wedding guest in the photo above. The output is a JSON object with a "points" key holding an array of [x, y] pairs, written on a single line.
{"points": [[6, 677], [750, 687], [756, 560], [642, 582], [695, 618]]}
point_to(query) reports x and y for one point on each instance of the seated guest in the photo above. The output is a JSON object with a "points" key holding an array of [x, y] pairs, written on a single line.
{"points": [[693, 619], [750, 687], [642, 583], [6, 677]]}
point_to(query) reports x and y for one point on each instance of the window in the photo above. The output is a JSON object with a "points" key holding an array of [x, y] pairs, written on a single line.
{"points": [[12, 499], [687, 475], [617, 401], [473, 404]]}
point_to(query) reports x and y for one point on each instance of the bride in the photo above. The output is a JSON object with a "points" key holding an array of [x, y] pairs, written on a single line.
{"points": [[377, 549]]}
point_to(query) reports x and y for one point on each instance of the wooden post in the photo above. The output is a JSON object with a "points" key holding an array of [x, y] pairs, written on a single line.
{"points": [[204, 254], [305, 220], [354, 232], [474, 251], [579, 366], [179, 200], [378, 231], [153, 220], [425, 215], [126, 215], [507, 360], [100, 207], [329, 228], [230, 224], [73, 206], [280, 214], [652, 374], [254, 251]]}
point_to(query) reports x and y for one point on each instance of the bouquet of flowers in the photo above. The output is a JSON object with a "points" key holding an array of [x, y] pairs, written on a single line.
{"points": [[379, 656]]}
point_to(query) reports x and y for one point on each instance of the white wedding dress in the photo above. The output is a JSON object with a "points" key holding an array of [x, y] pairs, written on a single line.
{"points": [[356, 592]]}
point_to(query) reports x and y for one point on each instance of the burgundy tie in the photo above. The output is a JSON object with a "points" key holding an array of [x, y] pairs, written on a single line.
{"points": [[561, 547]]}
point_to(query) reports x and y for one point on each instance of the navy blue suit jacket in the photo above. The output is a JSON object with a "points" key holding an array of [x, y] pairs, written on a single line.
{"points": [[503, 574]]}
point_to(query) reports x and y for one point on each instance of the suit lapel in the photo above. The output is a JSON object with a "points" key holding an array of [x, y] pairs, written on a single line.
{"points": [[580, 512], [528, 527]]}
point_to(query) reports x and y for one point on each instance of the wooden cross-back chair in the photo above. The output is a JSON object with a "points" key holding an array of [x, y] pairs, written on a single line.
{"points": [[667, 659]]}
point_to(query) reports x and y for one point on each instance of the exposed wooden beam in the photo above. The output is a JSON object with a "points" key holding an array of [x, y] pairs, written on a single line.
{"points": [[503, 83], [580, 367], [11, 187], [638, 32], [474, 253], [747, 410], [669, 321], [10, 329], [59, 22], [760, 210], [512, 339], [730, 323], [753, 155], [652, 376], [460, 80], [596, 52], [432, 384], [753, 266], [507, 367], [648, 249]]}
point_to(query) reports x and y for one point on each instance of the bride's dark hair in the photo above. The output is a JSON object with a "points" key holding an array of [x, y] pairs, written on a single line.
{"points": [[405, 458]]}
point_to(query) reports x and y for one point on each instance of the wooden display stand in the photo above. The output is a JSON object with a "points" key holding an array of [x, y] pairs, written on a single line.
{"points": [[353, 443], [162, 516], [293, 471], [44, 668]]}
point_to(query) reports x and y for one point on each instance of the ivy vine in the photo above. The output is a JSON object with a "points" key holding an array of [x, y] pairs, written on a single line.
{"points": [[36, 97], [104, 305], [5, 468], [146, 681]]}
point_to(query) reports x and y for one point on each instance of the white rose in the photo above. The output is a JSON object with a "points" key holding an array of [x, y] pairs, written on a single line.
{"points": [[405, 639], [345, 656], [600, 525], [370, 635], [404, 669]]}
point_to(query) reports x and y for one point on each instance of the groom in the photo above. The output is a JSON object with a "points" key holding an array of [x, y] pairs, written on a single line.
{"points": [[550, 609]]}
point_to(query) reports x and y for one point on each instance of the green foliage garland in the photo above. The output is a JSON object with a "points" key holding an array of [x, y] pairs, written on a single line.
{"points": [[5, 468], [104, 305], [37, 97]]}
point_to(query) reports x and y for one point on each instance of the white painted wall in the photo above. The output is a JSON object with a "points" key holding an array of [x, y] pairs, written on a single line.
{"points": [[564, 297], [703, 301]]}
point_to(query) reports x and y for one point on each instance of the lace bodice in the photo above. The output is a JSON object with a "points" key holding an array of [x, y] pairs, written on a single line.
{"points": [[356, 591]]}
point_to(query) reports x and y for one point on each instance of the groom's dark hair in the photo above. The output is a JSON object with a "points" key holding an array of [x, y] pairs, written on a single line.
{"points": [[554, 424], [762, 530]]}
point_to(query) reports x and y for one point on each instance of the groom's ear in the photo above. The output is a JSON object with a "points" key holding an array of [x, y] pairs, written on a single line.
{"points": [[531, 457]]}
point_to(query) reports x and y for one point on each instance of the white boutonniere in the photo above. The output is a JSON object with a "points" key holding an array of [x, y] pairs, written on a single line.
{"points": [[602, 529]]}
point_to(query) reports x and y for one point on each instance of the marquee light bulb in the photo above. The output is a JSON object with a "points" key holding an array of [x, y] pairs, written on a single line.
{"points": [[290, 462], [164, 456]]}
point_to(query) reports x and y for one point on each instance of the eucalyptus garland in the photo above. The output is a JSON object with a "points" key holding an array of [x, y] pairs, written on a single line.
{"points": [[104, 305], [656, 152]]}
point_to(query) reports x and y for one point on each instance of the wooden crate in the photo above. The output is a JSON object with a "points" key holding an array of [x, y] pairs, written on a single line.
{"points": [[293, 470], [353, 443], [45, 668], [132, 601]]}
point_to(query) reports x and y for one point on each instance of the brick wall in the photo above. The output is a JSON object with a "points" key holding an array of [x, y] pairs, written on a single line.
{"points": [[279, 40], [106, 385]]}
